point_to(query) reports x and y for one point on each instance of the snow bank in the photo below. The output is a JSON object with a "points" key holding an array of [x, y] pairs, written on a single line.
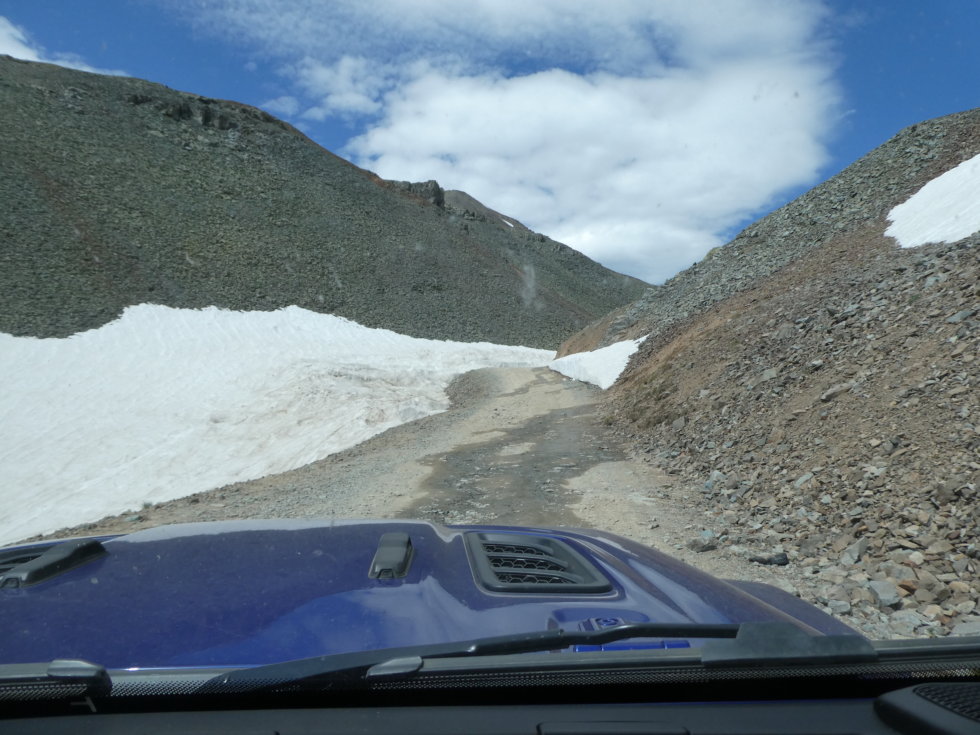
{"points": [[164, 403], [946, 209], [601, 367]]}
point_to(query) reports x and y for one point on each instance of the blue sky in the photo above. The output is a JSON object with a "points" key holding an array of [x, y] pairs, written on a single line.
{"points": [[641, 132]]}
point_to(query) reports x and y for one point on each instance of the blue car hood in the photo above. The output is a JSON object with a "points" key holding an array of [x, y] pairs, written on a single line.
{"points": [[244, 593]]}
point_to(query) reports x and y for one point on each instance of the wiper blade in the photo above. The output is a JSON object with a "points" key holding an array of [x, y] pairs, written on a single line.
{"points": [[768, 644], [352, 666], [53, 676], [753, 644], [557, 639]]}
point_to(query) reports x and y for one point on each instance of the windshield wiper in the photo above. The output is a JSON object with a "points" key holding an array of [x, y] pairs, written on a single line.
{"points": [[779, 644], [752, 644], [352, 666]]}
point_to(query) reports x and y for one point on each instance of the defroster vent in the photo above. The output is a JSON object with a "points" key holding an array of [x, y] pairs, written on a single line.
{"points": [[511, 562]]}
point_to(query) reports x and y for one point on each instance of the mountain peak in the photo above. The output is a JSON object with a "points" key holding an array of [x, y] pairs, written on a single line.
{"points": [[119, 191]]}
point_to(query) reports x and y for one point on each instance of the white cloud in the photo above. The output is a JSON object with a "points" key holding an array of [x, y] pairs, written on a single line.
{"points": [[638, 131], [16, 42], [641, 174], [284, 106], [352, 84]]}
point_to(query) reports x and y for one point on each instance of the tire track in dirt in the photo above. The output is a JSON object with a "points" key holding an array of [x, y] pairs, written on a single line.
{"points": [[519, 475]]}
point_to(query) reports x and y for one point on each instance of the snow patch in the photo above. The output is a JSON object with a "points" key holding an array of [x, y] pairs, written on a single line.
{"points": [[600, 367], [946, 209], [164, 403]]}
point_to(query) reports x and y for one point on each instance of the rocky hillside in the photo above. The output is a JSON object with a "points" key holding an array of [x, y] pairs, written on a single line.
{"points": [[815, 387], [862, 194], [117, 191]]}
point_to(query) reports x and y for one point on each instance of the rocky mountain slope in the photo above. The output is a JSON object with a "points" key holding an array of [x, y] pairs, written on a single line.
{"points": [[816, 389], [117, 191], [860, 195]]}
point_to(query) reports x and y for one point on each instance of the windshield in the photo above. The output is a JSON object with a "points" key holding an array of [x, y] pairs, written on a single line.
{"points": [[702, 277]]}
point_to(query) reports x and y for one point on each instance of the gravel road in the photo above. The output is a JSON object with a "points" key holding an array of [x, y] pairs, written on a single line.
{"points": [[518, 446], [508, 451]]}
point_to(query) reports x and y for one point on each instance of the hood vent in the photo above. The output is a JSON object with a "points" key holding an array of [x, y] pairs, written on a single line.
{"points": [[15, 557], [512, 562], [20, 568]]}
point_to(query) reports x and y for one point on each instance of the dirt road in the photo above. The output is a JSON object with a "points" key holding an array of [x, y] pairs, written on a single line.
{"points": [[518, 447]]}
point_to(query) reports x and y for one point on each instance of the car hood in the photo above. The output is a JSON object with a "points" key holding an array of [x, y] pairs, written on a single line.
{"points": [[245, 593]]}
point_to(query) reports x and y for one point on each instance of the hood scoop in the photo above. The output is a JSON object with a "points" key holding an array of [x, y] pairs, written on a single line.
{"points": [[393, 557], [525, 563], [24, 567]]}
